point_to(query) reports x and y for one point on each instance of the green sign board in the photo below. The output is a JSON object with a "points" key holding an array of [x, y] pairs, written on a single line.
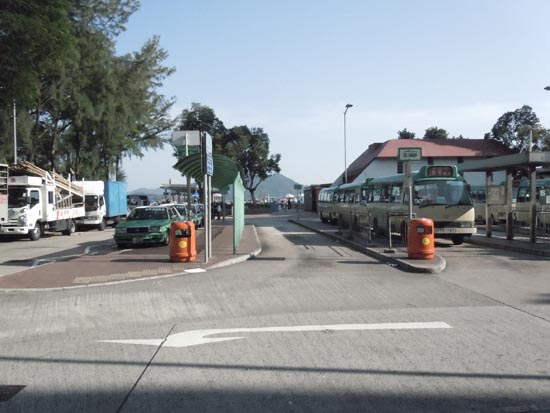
{"points": [[298, 187], [409, 154], [191, 150]]}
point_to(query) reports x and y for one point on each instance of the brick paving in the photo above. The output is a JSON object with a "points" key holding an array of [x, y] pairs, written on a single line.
{"points": [[111, 265]]}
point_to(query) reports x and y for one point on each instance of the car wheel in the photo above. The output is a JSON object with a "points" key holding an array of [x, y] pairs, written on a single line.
{"points": [[166, 240]]}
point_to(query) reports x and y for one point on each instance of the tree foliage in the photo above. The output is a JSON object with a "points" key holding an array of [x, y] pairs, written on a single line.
{"points": [[435, 133], [513, 130], [405, 134], [249, 147], [81, 107]]}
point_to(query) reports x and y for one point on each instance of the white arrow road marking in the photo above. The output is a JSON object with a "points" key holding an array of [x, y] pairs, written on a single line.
{"points": [[197, 337]]}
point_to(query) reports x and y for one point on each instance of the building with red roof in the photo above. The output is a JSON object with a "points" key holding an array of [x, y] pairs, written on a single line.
{"points": [[380, 159]]}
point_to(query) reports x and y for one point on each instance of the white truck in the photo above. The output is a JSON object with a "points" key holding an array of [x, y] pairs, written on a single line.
{"points": [[105, 202], [39, 201]]}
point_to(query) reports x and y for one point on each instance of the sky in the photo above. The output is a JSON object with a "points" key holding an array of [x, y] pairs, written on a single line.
{"points": [[291, 66]]}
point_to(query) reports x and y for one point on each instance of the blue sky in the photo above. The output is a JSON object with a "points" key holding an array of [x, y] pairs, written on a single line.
{"points": [[290, 67]]}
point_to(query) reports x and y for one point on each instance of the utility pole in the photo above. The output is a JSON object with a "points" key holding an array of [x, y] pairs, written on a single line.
{"points": [[14, 132]]}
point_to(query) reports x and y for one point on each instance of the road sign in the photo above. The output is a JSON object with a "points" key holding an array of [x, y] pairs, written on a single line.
{"points": [[208, 160], [409, 154], [298, 187]]}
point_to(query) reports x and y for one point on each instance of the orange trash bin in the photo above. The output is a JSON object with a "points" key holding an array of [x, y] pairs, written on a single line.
{"points": [[182, 241], [421, 243]]}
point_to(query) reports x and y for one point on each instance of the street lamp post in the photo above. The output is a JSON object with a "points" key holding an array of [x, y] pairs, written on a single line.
{"points": [[14, 132], [349, 105]]}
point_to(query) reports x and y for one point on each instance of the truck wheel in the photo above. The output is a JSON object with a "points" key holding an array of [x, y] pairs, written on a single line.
{"points": [[101, 225], [71, 228], [36, 232]]}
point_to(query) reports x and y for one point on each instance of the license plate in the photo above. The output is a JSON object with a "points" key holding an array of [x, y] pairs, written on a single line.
{"points": [[137, 240], [448, 230]]}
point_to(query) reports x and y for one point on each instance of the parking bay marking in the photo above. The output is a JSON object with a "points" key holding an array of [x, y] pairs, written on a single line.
{"points": [[198, 337]]}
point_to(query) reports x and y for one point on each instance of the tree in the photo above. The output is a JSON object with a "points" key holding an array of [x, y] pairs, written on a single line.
{"points": [[513, 129], [250, 149], [435, 133], [81, 107], [405, 134]]}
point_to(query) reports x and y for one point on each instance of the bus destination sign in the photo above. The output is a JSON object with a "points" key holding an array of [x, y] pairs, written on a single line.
{"points": [[440, 171]]}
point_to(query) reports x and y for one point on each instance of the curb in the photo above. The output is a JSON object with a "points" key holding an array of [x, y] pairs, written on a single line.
{"points": [[240, 258], [225, 263], [428, 268], [501, 246]]}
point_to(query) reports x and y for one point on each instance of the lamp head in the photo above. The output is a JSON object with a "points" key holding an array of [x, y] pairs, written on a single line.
{"points": [[349, 105], [547, 88]]}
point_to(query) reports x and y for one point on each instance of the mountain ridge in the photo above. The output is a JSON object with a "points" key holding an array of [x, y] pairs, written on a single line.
{"points": [[275, 186]]}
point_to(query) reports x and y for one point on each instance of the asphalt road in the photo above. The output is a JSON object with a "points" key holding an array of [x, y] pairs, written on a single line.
{"points": [[310, 326]]}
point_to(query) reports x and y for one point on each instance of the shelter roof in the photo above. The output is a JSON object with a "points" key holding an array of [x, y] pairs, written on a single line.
{"points": [[225, 169]]}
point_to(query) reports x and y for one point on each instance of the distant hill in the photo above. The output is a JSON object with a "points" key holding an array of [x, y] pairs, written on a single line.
{"points": [[154, 194], [276, 186]]}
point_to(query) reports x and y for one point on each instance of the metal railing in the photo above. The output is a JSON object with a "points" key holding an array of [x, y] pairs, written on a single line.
{"points": [[356, 226], [403, 230], [521, 223]]}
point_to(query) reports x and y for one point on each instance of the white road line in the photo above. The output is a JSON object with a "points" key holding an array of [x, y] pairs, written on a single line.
{"points": [[197, 337]]}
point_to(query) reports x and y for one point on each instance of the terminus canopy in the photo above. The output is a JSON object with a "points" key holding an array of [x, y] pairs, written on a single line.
{"points": [[225, 169]]}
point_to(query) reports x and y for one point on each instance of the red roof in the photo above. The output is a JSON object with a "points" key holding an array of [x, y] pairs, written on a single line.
{"points": [[445, 148]]}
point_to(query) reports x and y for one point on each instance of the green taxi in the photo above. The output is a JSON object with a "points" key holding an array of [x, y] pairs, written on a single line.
{"points": [[147, 225]]}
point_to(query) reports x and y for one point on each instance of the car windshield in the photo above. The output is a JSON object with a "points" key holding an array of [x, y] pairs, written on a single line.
{"points": [[147, 213], [182, 210]]}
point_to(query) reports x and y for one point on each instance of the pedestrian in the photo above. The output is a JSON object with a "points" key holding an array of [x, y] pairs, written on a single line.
{"points": [[289, 203], [218, 211]]}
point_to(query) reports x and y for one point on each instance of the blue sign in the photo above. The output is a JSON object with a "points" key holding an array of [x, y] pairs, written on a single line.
{"points": [[195, 195], [208, 154]]}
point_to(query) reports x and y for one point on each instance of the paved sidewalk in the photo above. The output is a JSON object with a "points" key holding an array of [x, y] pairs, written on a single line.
{"points": [[518, 244], [378, 249], [110, 265]]}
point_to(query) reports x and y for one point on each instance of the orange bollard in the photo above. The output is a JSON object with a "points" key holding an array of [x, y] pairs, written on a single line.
{"points": [[182, 241], [421, 243]]}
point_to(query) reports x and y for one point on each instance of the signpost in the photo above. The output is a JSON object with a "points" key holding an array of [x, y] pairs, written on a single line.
{"points": [[407, 155], [187, 142], [208, 170], [298, 189]]}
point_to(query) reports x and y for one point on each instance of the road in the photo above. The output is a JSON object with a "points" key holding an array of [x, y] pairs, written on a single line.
{"points": [[308, 326]]}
